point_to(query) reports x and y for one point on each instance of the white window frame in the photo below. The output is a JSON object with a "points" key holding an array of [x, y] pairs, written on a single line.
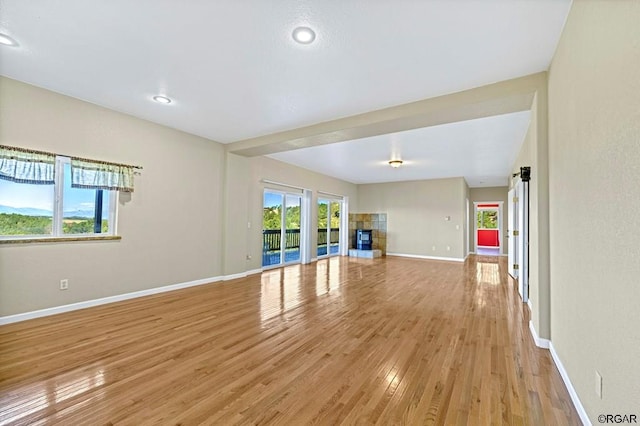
{"points": [[58, 209]]}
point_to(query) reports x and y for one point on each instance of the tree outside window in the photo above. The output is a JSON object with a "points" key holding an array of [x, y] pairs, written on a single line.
{"points": [[487, 219]]}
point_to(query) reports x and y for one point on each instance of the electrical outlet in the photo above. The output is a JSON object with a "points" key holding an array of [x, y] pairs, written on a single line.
{"points": [[64, 284], [598, 385], [248, 257]]}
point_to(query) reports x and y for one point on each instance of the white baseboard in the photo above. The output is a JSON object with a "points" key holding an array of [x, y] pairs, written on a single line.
{"points": [[572, 392], [418, 256], [546, 344], [119, 297], [241, 274], [103, 301], [540, 342]]}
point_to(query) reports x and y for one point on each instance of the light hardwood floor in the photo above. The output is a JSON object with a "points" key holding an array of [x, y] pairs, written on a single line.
{"points": [[340, 341]]}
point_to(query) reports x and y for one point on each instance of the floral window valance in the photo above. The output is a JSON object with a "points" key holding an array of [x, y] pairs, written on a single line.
{"points": [[37, 167]]}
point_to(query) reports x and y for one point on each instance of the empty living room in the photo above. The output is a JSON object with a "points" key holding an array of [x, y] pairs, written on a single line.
{"points": [[332, 213]]}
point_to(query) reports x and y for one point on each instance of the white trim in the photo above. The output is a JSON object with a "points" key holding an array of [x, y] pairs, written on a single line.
{"points": [[567, 382], [103, 301], [529, 305], [499, 209], [314, 259], [234, 276], [418, 256], [241, 274], [120, 297], [344, 228], [285, 185], [540, 342], [324, 195]]}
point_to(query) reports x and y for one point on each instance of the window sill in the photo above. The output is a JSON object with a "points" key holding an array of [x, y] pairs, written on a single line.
{"points": [[60, 239]]}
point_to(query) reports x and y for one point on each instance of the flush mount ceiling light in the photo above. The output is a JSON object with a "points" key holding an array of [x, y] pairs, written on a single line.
{"points": [[304, 35], [395, 163], [7, 41], [162, 99]]}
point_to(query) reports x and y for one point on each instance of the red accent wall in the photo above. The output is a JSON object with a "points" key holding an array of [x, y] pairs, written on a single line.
{"points": [[488, 237]]}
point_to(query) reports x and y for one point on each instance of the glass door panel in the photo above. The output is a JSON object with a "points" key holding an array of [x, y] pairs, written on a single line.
{"points": [[323, 225], [292, 228], [329, 212], [272, 228], [334, 227]]}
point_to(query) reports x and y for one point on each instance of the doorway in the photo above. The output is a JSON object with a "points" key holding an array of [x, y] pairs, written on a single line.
{"points": [[281, 228], [488, 222], [329, 224]]}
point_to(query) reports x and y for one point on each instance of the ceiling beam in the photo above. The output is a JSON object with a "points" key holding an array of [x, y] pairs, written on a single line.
{"points": [[495, 99]]}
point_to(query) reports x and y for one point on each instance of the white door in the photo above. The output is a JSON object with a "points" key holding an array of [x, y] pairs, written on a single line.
{"points": [[512, 234], [523, 238]]}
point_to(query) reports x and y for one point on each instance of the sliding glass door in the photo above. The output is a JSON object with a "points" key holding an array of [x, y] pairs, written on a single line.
{"points": [[281, 217], [329, 212]]}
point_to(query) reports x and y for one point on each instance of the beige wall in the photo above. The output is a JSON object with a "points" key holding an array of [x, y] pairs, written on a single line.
{"points": [[171, 226], [594, 129], [534, 153], [416, 212], [498, 193], [187, 219], [259, 168]]}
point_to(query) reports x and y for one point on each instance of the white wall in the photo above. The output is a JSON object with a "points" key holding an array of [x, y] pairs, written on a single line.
{"points": [[594, 151]]}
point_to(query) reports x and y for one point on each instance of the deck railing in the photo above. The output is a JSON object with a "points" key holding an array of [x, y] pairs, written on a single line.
{"points": [[271, 238]]}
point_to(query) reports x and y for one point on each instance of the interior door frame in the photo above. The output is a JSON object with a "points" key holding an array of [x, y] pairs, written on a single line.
{"points": [[475, 224]]}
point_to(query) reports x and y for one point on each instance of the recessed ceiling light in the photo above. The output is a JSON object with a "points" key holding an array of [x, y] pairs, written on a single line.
{"points": [[162, 99], [7, 41], [304, 35]]}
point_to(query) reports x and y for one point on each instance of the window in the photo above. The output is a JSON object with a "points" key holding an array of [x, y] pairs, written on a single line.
{"points": [[55, 210], [487, 219]]}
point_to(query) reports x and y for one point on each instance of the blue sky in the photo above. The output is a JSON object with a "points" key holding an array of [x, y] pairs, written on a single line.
{"points": [[271, 199], [21, 195]]}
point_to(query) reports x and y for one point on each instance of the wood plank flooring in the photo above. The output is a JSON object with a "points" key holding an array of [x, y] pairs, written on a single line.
{"points": [[389, 341]]}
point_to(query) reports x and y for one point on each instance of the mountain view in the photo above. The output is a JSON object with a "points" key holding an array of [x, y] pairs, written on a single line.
{"points": [[28, 211], [32, 221]]}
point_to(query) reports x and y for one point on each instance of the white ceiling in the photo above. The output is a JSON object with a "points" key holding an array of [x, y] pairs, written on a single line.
{"points": [[234, 72], [482, 151]]}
